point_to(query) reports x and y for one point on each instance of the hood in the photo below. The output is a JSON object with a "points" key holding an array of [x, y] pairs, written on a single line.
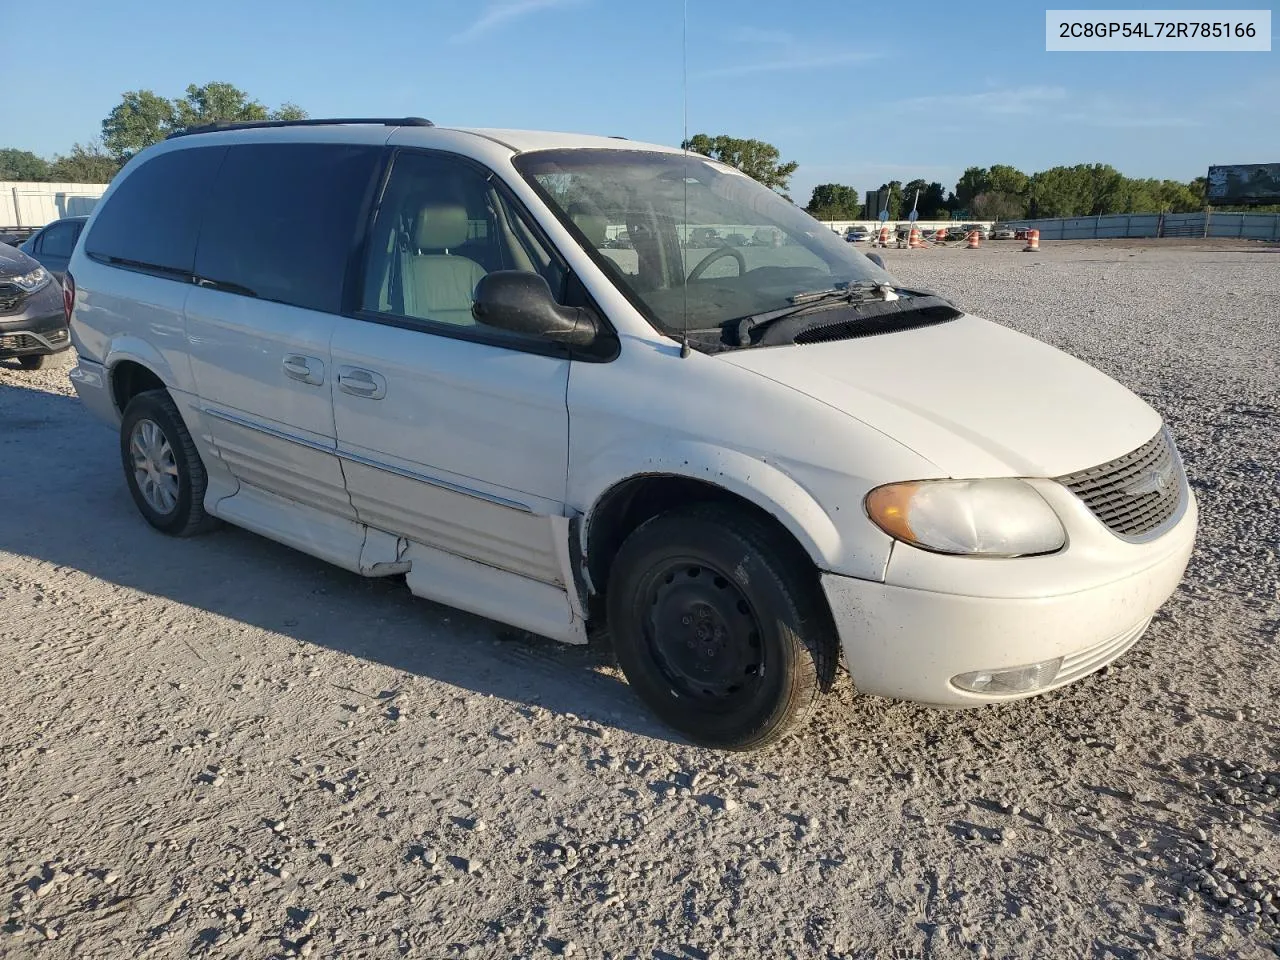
{"points": [[13, 262], [972, 397]]}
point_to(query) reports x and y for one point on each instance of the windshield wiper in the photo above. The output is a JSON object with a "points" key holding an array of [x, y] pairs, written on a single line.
{"points": [[858, 292]]}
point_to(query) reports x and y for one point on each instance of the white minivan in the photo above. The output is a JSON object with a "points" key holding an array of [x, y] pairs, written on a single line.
{"points": [[414, 351]]}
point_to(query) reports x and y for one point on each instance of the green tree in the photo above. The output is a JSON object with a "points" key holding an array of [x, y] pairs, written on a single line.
{"points": [[759, 160], [86, 163], [215, 102], [933, 203], [997, 205], [973, 181], [913, 191], [895, 206], [834, 201], [143, 117], [22, 165]]}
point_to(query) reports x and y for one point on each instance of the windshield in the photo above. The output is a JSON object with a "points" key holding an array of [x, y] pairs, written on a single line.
{"points": [[741, 249]]}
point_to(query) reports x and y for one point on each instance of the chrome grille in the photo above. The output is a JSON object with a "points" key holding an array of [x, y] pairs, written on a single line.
{"points": [[10, 298], [1136, 494]]}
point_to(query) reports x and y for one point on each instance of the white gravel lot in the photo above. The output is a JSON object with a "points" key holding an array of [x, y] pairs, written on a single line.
{"points": [[220, 747]]}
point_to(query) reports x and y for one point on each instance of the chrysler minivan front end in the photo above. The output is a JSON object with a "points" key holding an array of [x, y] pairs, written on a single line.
{"points": [[1051, 515]]}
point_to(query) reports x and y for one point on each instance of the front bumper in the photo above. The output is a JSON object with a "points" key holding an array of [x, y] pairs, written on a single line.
{"points": [[40, 327], [910, 638]]}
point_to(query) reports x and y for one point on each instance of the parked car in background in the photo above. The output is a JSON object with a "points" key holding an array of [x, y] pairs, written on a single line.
{"points": [[1020, 233], [984, 232], [736, 240], [704, 237], [740, 472], [957, 233], [33, 319], [857, 235], [52, 244], [766, 237], [1001, 232], [622, 241]]}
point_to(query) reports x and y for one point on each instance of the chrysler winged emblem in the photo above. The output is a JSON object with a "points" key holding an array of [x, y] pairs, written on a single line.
{"points": [[1157, 480]]}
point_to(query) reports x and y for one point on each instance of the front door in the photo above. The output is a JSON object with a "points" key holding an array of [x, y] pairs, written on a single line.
{"points": [[274, 247], [452, 434]]}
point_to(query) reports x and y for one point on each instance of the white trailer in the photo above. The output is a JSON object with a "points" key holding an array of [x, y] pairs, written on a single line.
{"points": [[26, 206]]}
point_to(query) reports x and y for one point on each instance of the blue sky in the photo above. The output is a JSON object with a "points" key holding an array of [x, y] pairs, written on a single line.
{"points": [[856, 92]]}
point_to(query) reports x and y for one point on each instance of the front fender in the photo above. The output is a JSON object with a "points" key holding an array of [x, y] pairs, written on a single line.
{"points": [[757, 481]]}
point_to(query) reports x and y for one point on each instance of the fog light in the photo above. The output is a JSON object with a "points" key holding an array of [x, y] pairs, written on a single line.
{"points": [[1032, 677]]}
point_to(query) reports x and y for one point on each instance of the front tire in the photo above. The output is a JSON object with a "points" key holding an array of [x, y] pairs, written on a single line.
{"points": [[719, 626], [165, 474]]}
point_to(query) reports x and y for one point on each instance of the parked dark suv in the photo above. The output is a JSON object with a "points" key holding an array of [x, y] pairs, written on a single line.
{"points": [[33, 323]]}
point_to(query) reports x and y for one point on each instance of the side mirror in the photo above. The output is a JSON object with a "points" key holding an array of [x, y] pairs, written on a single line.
{"points": [[521, 301], [876, 259]]}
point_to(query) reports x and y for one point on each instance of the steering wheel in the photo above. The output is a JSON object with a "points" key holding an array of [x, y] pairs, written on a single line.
{"points": [[716, 254]]}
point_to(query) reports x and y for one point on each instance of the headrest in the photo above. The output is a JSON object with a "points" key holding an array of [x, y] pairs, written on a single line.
{"points": [[441, 226]]}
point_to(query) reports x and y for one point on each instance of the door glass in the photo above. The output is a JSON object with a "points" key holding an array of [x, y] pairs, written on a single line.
{"points": [[441, 226], [283, 218], [58, 240], [151, 219]]}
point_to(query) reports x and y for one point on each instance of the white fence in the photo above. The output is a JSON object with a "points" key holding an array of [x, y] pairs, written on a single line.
{"points": [[26, 204], [1242, 226]]}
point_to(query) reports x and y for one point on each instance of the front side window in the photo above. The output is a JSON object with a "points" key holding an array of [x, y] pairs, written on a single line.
{"points": [[441, 226], [697, 245]]}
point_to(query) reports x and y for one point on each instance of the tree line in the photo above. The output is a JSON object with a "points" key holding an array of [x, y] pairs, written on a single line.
{"points": [[142, 118], [998, 192], [1002, 192]]}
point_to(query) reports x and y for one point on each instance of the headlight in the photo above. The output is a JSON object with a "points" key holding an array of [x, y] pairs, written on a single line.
{"points": [[33, 281], [989, 518]]}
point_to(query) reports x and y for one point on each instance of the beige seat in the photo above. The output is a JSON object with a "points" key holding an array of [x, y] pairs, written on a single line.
{"points": [[440, 285]]}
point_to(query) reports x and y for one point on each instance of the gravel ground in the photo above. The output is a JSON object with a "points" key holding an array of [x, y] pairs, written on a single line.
{"points": [[220, 747]]}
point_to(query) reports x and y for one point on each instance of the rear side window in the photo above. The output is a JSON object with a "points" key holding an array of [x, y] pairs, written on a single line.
{"points": [[58, 240], [152, 218], [283, 220]]}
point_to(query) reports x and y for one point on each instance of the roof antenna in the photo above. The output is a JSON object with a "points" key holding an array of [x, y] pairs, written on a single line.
{"points": [[684, 179]]}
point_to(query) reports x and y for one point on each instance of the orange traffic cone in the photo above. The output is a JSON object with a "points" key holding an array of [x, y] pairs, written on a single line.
{"points": [[884, 236], [940, 236], [973, 240], [1033, 242], [913, 240]]}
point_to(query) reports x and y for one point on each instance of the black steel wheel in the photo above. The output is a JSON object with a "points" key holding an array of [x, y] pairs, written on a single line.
{"points": [[719, 625]]}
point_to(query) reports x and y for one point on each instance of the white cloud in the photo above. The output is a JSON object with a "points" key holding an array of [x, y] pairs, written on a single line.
{"points": [[1011, 100], [798, 61], [501, 12], [778, 51]]}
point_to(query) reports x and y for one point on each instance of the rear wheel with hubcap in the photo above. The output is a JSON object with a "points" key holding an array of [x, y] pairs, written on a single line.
{"points": [[164, 472], [718, 625]]}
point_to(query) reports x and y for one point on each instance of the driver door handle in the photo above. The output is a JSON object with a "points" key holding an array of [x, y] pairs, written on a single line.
{"points": [[362, 383]]}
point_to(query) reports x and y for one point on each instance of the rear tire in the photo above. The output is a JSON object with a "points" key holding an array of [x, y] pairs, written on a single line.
{"points": [[719, 626], [32, 361], [165, 474]]}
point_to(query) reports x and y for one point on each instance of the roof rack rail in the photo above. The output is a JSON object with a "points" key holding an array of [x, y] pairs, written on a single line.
{"points": [[309, 122]]}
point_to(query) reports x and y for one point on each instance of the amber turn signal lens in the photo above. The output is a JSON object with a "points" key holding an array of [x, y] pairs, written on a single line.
{"points": [[889, 507]]}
